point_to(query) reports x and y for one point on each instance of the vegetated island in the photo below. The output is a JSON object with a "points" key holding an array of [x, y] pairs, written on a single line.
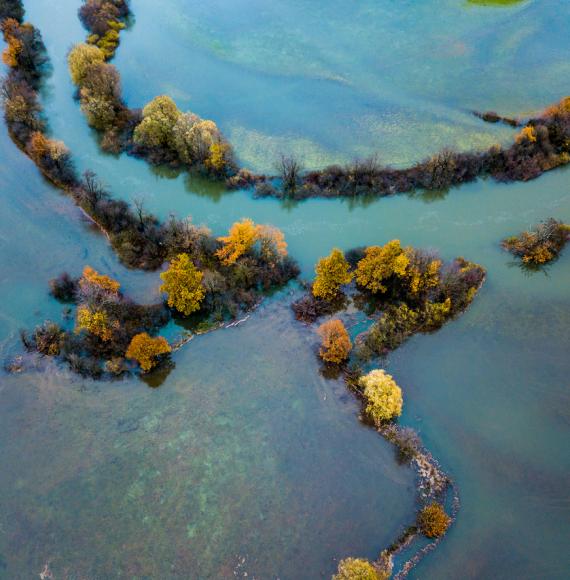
{"points": [[161, 133], [211, 281], [405, 291], [540, 245]]}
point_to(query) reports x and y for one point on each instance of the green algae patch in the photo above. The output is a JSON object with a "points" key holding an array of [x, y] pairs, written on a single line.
{"points": [[495, 2]]}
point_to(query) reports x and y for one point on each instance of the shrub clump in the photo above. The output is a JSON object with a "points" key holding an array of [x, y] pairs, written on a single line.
{"points": [[336, 345], [382, 395], [540, 245], [433, 521]]}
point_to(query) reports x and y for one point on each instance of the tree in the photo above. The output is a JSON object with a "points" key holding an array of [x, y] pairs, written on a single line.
{"points": [[383, 396], [241, 239], [379, 264], [273, 246], [101, 95], [290, 172], [95, 322], [336, 344], [433, 521], [422, 272], [80, 58], [145, 350], [203, 135], [332, 272], [219, 157], [100, 112], [359, 569], [159, 119], [183, 285], [92, 277], [182, 136]]}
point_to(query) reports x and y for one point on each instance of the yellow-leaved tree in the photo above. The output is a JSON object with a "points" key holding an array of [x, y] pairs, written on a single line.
{"points": [[80, 58], [332, 272], [360, 569], [383, 396], [183, 285], [146, 349], [95, 322], [157, 125], [381, 263]]}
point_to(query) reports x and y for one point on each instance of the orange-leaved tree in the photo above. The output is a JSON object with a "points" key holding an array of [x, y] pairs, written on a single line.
{"points": [[146, 349], [92, 277], [241, 239], [336, 344]]}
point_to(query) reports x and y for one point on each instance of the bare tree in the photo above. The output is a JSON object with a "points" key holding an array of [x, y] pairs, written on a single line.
{"points": [[290, 172]]}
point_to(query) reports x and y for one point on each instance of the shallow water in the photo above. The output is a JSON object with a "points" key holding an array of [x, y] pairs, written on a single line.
{"points": [[240, 454]]}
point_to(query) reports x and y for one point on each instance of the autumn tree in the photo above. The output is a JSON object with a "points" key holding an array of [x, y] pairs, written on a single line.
{"points": [[220, 157], [272, 244], [94, 321], [92, 277], [100, 95], [159, 119], [359, 569], [383, 396], [332, 272], [203, 136], [423, 271], [145, 350], [242, 237], [380, 263], [336, 345], [80, 58], [25, 49], [183, 285], [10, 28], [433, 521], [183, 136], [540, 245]]}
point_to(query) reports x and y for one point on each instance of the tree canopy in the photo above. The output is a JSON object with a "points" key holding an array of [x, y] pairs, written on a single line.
{"points": [[145, 350], [383, 396], [332, 272], [183, 285], [80, 58], [336, 344]]}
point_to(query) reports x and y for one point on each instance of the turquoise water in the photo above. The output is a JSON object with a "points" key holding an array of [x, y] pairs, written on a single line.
{"points": [[240, 453]]}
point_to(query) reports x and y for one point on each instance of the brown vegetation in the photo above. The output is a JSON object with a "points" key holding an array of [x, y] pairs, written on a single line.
{"points": [[540, 245]]}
